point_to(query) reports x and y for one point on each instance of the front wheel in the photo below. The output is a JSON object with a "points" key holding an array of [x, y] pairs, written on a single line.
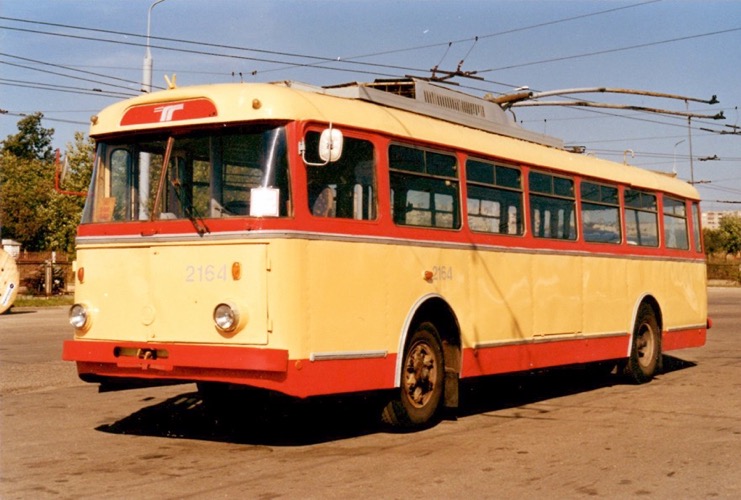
{"points": [[645, 353], [422, 381]]}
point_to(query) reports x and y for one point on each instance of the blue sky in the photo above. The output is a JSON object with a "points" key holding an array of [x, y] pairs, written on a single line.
{"points": [[690, 48]]}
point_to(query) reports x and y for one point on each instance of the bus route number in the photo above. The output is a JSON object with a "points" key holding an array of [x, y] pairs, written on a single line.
{"points": [[442, 273], [205, 274]]}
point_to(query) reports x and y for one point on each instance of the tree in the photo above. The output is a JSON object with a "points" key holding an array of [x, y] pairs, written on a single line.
{"points": [[713, 241], [730, 230], [31, 211], [79, 164], [26, 186], [64, 211], [32, 140]]}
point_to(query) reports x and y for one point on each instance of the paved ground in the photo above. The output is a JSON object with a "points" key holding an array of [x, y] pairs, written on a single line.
{"points": [[561, 434]]}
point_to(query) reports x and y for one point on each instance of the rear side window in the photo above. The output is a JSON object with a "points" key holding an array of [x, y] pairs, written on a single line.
{"points": [[675, 224], [494, 198], [600, 213], [641, 220], [552, 205], [696, 226], [424, 188]]}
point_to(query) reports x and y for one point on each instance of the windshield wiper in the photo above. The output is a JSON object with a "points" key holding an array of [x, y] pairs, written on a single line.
{"points": [[190, 211], [185, 201], [163, 174]]}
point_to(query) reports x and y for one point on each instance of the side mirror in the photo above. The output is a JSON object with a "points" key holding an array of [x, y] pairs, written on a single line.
{"points": [[329, 147]]}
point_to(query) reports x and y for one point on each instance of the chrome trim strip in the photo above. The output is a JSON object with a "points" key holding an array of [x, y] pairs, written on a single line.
{"points": [[241, 236], [328, 356], [544, 339], [687, 327]]}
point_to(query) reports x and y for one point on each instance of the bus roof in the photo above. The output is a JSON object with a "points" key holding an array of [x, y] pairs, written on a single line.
{"points": [[487, 132]]}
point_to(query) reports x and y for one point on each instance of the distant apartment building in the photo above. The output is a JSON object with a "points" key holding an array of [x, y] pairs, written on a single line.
{"points": [[711, 219]]}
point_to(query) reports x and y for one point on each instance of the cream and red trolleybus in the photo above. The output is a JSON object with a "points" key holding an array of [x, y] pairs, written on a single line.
{"points": [[393, 236]]}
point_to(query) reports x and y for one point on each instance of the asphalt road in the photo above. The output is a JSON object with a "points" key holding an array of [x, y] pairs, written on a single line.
{"points": [[558, 434]]}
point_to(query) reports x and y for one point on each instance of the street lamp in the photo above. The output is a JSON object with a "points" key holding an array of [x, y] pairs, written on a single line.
{"points": [[674, 166], [625, 155], [145, 157], [147, 68]]}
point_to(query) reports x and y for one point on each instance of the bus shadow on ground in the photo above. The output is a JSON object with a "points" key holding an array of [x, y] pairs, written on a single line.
{"points": [[276, 420], [270, 419], [501, 392]]}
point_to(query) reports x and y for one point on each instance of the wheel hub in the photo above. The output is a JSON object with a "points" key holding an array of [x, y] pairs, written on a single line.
{"points": [[421, 375]]}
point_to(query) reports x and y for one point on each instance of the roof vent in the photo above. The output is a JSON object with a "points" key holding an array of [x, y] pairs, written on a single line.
{"points": [[453, 103]]}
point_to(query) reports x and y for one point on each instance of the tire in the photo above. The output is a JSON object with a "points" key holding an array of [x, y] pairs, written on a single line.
{"points": [[422, 382], [645, 353]]}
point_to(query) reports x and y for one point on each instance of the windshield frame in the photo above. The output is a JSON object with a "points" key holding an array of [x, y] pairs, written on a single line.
{"points": [[210, 170]]}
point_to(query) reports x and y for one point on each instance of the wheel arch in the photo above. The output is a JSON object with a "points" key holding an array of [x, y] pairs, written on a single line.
{"points": [[653, 303], [433, 308]]}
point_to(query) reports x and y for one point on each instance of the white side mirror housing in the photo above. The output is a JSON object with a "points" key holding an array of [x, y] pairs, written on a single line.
{"points": [[330, 145]]}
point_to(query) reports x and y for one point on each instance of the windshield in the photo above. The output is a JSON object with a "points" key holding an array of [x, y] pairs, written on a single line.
{"points": [[210, 174]]}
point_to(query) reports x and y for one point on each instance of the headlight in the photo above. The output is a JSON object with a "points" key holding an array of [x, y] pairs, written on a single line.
{"points": [[226, 317], [78, 316]]}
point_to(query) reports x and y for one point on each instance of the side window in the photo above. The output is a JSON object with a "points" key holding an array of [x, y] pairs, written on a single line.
{"points": [[600, 213], [424, 188], [120, 202], [494, 198], [552, 206], [696, 226], [346, 188], [641, 222], [675, 224]]}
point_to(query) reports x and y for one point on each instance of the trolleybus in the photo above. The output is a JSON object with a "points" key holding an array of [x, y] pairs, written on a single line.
{"points": [[394, 236]]}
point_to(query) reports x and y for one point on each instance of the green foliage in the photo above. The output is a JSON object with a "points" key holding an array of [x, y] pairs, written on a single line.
{"points": [[32, 140], [730, 228], [31, 210], [26, 186], [713, 241], [53, 301], [79, 168], [726, 239]]}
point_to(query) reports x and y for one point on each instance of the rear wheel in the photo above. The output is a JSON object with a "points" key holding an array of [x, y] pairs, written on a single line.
{"points": [[645, 353], [422, 381]]}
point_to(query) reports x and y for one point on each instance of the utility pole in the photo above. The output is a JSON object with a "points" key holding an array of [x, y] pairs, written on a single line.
{"points": [[145, 157]]}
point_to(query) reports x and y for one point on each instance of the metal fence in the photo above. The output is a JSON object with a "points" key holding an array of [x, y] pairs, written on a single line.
{"points": [[45, 273]]}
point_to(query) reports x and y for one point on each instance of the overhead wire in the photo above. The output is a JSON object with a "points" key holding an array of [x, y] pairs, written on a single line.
{"points": [[609, 51], [47, 118], [61, 88], [39, 86], [341, 59], [323, 60], [500, 33], [350, 60], [70, 68], [45, 71], [353, 59], [199, 43]]}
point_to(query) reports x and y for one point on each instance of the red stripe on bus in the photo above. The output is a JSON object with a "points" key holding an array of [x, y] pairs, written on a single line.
{"points": [[536, 355], [165, 112], [271, 368], [168, 357], [683, 339], [265, 368]]}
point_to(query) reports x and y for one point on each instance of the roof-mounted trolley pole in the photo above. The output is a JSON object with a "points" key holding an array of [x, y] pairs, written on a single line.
{"points": [[522, 99]]}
